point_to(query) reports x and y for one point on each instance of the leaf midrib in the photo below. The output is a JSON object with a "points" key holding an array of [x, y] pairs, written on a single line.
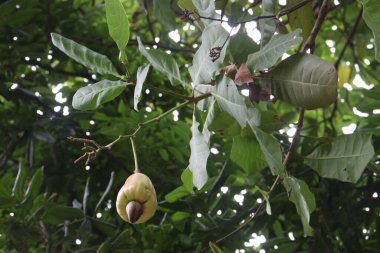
{"points": [[336, 157]]}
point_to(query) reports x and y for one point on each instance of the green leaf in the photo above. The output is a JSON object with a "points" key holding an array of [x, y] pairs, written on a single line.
{"points": [[187, 5], [303, 198], [266, 197], [204, 68], [205, 8], [241, 45], [92, 96], [96, 62], [199, 152], [209, 119], [35, 184], [142, 72], [214, 248], [163, 11], [220, 122], [179, 216], [302, 18], [106, 228], [85, 195], [230, 100], [247, 154], [271, 149], [164, 63], [63, 213], [177, 194], [118, 25], [125, 238], [344, 159], [107, 190], [187, 179], [273, 50], [18, 186], [303, 80], [371, 15], [268, 25]]}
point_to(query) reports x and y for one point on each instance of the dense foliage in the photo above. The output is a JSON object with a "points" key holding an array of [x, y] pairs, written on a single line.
{"points": [[256, 121]]}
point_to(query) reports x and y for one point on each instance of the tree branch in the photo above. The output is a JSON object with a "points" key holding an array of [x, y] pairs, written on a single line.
{"points": [[92, 148], [310, 42], [281, 13]]}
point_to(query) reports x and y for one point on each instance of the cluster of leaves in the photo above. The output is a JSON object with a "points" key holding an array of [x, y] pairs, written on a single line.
{"points": [[48, 203]]}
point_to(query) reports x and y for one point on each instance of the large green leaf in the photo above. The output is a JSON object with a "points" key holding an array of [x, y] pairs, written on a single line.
{"points": [[92, 96], [302, 18], [268, 25], [142, 72], [371, 15], [162, 10], [118, 25], [204, 68], [220, 122], [164, 63], [205, 8], [247, 154], [271, 149], [303, 199], [96, 62], [199, 154], [241, 45], [303, 80], [273, 50], [230, 100], [344, 159]]}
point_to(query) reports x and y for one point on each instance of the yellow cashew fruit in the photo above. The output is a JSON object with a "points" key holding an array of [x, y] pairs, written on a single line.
{"points": [[136, 201]]}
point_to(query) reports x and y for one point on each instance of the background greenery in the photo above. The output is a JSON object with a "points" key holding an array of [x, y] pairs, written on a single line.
{"points": [[50, 204]]}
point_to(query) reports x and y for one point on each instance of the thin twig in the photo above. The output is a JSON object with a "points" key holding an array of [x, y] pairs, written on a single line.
{"points": [[168, 92], [281, 13], [340, 57], [349, 38], [92, 153]]}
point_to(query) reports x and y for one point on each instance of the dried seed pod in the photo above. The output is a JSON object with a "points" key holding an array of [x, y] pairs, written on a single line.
{"points": [[136, 201]]}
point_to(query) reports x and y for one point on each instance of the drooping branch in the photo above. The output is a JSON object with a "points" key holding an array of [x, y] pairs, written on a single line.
{"points": [[92, 148]]}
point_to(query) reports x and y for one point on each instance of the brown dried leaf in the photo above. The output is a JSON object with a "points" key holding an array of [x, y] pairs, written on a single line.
{"points": [[243, 75], [230, 71]]}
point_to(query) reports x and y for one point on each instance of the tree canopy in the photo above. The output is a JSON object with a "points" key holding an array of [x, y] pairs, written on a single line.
{"points": [[256, 121]]}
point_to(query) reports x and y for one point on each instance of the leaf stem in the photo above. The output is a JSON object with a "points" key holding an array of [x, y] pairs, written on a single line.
{"points": [[168, 92]]}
